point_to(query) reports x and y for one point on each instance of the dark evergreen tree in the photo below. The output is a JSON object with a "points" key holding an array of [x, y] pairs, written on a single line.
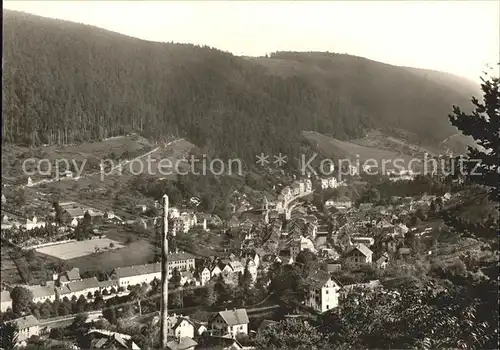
{"points": [[483, 124], [21, 299]]}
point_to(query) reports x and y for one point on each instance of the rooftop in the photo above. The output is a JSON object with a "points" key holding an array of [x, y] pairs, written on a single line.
{"points": [[41, 291], [73, 274], [78, 286], [25, 322], [362, 249], [318, 279], [181, 344], [137, 270]]}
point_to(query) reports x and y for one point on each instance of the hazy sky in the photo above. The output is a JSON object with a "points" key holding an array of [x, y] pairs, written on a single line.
{"points": [[458, 37]]}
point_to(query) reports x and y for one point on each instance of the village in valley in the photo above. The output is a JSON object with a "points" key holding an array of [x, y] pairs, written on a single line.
{"points": [[250, 175], [228, 278]]}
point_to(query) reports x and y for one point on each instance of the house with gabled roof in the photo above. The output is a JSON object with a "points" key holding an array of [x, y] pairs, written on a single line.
{"points": [[382, 261], [204, 275], [229, 322], [323, 293], [359, 254], [42, 293], [237, 266], [219, 343], [184, 343], [73, 274], [27, 327], [78, 288], [180, 327]]}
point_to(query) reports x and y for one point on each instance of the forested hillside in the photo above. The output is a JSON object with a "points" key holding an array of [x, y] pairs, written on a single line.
{"points": [[66, 82]]}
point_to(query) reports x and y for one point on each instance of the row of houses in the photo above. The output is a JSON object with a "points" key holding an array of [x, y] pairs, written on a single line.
{"points": [[230, 268], [182, 330], [138, 274], [183, 221], [296, 189], [71, 285], [228, 323]]}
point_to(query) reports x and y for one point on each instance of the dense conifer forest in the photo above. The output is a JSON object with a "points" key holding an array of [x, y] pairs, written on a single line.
{"points": [[66, 83]]}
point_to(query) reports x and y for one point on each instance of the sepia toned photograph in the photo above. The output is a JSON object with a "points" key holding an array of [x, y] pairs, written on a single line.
{"points": [[225, 175]]}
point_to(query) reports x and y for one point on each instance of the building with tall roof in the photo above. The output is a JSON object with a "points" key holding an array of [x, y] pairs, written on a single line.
{"points": [[323, 293], [138, 274], [359, 254], [27, 327], [229, 323], [300, 244], [77, 288], [42, 293]]}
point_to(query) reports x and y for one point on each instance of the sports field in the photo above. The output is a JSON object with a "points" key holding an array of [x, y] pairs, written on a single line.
{"points": [[73, 250], [136, 253]]}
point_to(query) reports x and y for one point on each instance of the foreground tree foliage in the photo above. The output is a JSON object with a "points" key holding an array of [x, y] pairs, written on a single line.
{"points": [[290, 334], [483, 124], [21, 299], [430, 317], [8, 336]]}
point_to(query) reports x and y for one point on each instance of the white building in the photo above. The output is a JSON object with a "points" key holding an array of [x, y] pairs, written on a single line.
{"points": [[323, 294], [359, 254], [6, 301], [42, 293], [229, 323], [308, 185], [252, 269], [27, 326], [215, 271], [237, 266], [180, 326], [368, 241], [33, 223], [341, 203], [173, 213], [204, 276], [183, 223], [77, 288], [138, 274]]}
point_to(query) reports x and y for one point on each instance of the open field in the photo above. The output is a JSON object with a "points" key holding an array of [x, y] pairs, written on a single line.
{"points": [[383, 141], [337, 150], [19, 267], [9, 271], [73, 250], [169, 156], [121, 147], [138, 252], [110, 192]]}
